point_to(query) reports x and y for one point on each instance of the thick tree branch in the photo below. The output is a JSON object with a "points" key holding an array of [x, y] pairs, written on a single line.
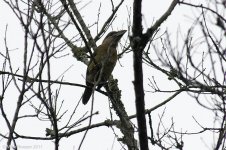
{"points": [[158, 23], [138, 74]]}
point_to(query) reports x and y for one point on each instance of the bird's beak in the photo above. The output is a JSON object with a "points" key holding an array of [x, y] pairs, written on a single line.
{"points": [[120, 33]]}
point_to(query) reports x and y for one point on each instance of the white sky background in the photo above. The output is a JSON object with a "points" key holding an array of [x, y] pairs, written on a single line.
{"points": [[181, 109]]}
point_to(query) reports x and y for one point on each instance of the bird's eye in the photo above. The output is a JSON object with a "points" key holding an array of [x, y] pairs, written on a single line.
{"points": [[110, 34]]}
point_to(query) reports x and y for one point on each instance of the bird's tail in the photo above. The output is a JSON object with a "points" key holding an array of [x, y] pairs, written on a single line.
{"points": [[86, 95]]}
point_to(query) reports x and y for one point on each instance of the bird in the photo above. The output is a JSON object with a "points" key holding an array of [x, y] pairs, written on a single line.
{"points": [[102, 64]]}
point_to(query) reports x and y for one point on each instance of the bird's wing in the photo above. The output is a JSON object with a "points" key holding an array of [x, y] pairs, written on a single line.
{"points": [[94, 67]]}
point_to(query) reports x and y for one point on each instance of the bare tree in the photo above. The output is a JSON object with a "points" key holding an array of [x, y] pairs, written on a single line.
{"points": [[47, 27]]}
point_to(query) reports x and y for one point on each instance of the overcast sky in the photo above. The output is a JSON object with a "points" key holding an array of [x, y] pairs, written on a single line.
{"points": [[182, 109]]}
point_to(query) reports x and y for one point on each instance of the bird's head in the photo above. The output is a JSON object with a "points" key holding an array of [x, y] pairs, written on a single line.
{"points": [[113, 38]]}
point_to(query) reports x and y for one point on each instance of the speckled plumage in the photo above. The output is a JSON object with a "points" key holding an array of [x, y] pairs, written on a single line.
{"points": [[105, 57]]}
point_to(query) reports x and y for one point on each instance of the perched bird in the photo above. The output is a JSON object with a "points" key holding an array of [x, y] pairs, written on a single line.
{"points": [[102, 64]]}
